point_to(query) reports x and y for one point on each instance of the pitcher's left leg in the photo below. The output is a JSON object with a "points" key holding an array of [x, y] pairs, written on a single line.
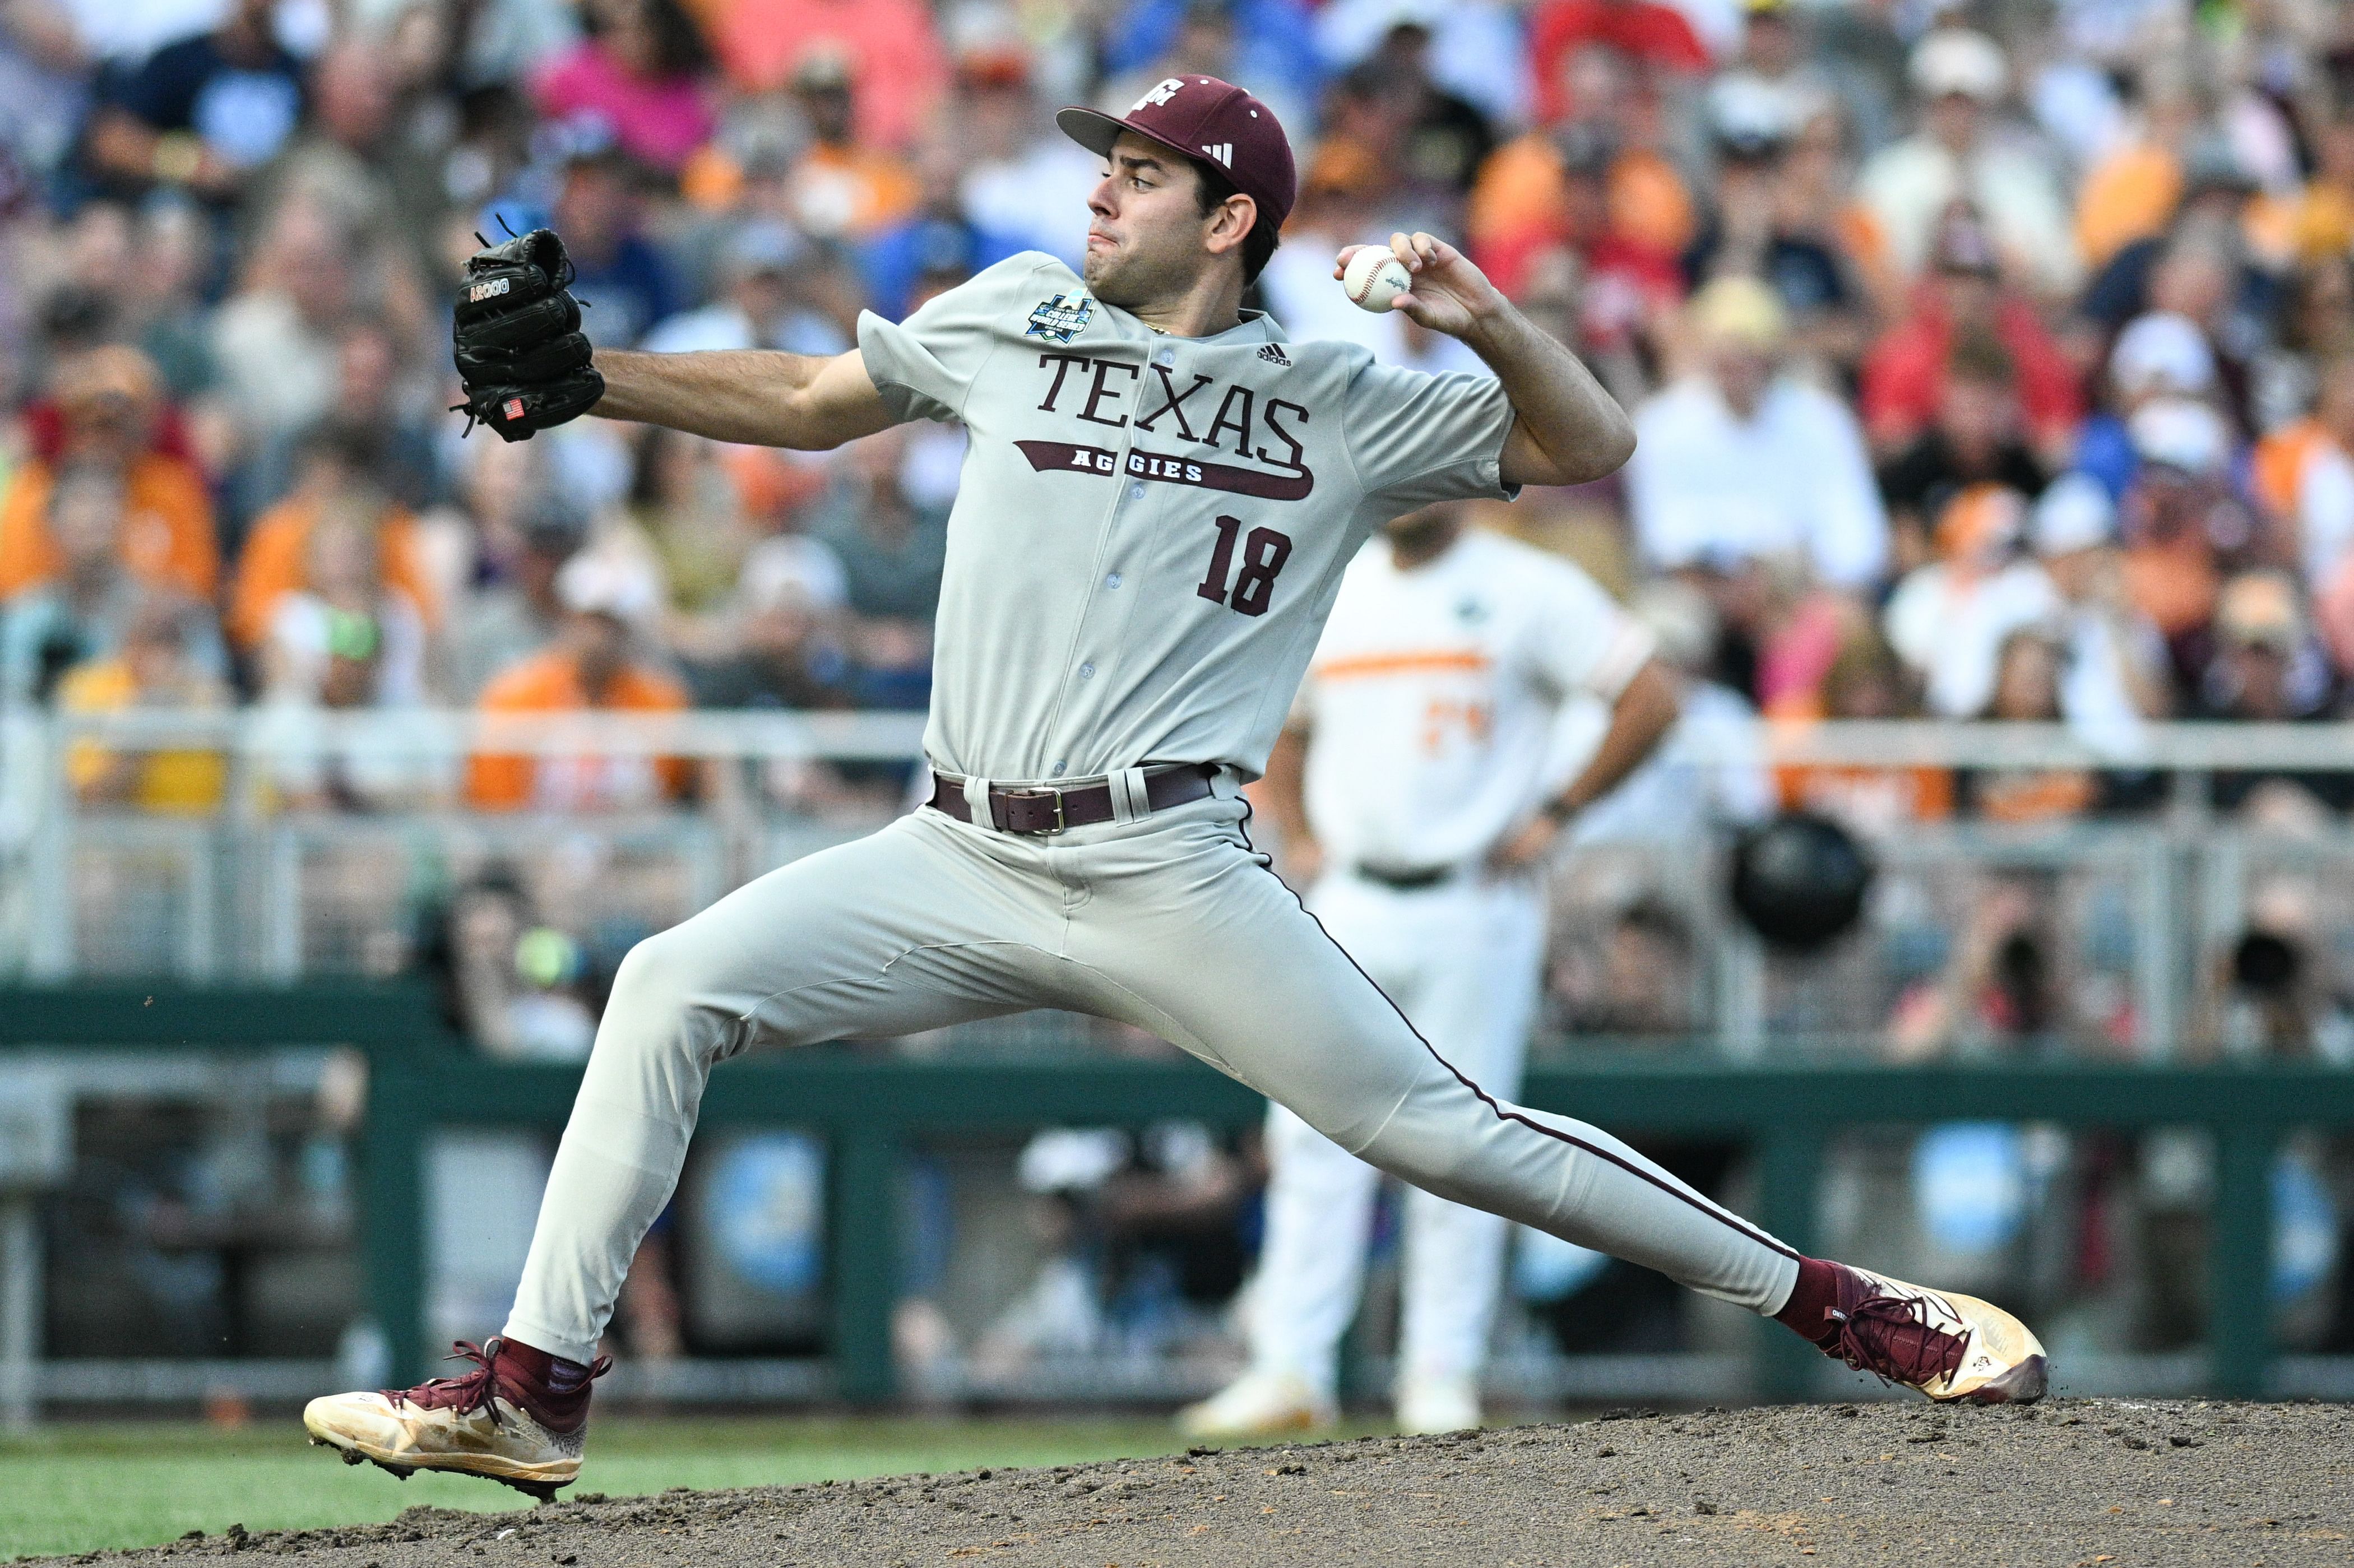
{"points": [[1207, 946], [1476, 1007], [1202, 944]]}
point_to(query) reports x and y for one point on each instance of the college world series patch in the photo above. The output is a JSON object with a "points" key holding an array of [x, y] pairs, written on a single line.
{"points": [[1060, 319]]}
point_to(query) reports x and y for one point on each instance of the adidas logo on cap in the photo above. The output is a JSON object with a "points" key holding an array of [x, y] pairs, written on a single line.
{"points": [[1223, 151]]}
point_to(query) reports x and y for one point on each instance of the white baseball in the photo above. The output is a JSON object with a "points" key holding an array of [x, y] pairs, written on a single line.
{"points": [[1373, 277]]}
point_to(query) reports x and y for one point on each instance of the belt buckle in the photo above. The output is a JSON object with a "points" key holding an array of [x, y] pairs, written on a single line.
{"points": [[1043, 793]]}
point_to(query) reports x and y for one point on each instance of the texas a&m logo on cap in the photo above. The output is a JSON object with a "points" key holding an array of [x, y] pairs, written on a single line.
{"points": [[1161, 95]]}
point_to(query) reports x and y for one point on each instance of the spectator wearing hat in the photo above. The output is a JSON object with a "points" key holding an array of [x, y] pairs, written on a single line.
{"points": [[109, 408], [334, 470], [156, 669], [590, 667], [2209, 229], [620, 273], [1947, 620], [2268, 668], [1976, 439], [85, 611], [516, 613], [1473, 48], [1753, 229], [2162, 356], [1774, 67], [639, 73], [2114, 672], [1961, 78], [891, 49], [1741, 460], [2182, 524], [1906, 375], [763, 300], [348, 641], [1021, 181], [841, 186], [936, 245]]}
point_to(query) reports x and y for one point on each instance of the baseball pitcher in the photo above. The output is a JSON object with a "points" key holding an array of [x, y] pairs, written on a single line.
{"points": [[1159, 498], [1418, 786]]}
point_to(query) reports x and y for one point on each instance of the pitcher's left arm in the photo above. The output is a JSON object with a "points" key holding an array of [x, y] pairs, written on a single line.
{"points": [[1566, 429]]}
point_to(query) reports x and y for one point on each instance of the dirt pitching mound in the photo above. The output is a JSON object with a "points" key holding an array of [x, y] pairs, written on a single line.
{"points": [[2069, 1482]]}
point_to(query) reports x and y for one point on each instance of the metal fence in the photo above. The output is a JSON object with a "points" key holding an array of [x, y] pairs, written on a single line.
{"points": [[2141, 902]]}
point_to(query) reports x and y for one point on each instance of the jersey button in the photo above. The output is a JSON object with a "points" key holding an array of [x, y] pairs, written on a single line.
{"points": [[1086, 672], [1112, 581], [1136, 493], [1058, 769], [1165, 358]]}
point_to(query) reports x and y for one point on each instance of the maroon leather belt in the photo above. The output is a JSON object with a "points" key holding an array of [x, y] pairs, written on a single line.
{"points": [[1040, 809]]}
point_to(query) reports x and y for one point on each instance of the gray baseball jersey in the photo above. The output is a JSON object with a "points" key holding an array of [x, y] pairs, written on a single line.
{"points": [[1151, 530], [1148, 536]]}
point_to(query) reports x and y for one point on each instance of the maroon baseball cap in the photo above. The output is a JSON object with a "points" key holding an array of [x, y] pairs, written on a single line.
{"points": [[1204, 118]]}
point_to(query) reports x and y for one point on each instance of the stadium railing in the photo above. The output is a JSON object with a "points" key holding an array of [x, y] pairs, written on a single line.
{"points": [[867, 1107], [256, 892]]}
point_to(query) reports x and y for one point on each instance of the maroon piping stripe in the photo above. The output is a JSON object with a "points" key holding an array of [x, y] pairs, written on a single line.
{"points": [[1720, 1215]]}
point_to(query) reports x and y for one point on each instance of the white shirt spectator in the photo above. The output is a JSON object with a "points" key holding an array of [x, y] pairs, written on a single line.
{"points": [[1950, 625], [1908, 185], [1706, 484]]}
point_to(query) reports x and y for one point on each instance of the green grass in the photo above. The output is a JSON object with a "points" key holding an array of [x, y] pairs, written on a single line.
{"points": [[78, 1488]]}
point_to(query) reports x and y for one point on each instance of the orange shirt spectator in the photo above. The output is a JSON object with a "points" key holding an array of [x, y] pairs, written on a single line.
{"points": [[1865, 681], [152, 671], [109, 407], [589, 668], [894, 53], [2130, 195], [272, 563], [167, 527], [1528, 198]]}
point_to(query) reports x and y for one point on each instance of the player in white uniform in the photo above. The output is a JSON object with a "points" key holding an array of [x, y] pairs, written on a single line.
{"points": [[1158, 500], [1419, 787]]}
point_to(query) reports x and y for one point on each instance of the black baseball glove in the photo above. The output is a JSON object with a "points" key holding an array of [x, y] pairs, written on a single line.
{"points": [[517, 341]]}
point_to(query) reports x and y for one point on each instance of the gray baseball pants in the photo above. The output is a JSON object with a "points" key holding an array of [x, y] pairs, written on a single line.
{"points": [[1172, 923]]}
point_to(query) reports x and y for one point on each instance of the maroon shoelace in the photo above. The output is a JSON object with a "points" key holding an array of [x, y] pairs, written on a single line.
{"points": [[1886, 1335], [473, 1391]]}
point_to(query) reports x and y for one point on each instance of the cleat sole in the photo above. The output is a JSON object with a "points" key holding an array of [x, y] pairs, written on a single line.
{"points": [[536, 1482]]}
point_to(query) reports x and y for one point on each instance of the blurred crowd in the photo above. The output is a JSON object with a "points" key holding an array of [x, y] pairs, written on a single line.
{"points": [[1990, 360]]}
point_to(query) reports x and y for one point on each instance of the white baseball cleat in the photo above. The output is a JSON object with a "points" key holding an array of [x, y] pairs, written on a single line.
{"points": [[1259, 1403], [481, 1424], [1946, 1345], [1438, 1404]]}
